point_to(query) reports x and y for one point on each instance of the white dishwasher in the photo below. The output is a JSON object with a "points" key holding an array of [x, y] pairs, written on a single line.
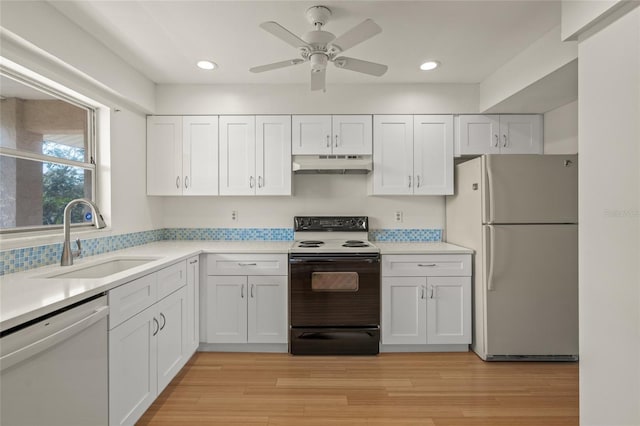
{"points": [[54, 369]]}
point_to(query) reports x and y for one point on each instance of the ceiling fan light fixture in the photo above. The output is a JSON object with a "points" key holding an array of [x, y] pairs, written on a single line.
{"points": [[318, 62], [429, 65], [207, 65]]}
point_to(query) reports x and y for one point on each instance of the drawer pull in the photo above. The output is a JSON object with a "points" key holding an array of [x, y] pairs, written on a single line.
{"points": [[193, 262], [247, 264], [430, 265]]}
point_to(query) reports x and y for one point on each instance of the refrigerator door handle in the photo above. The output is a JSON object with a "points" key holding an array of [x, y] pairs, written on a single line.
{"points": [[488, 191], [490, 252]]}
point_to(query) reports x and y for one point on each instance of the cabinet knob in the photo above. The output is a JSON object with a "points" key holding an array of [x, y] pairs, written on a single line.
{"points": [[164, 321], [418, 181], [155, 321], [504, 137], [178, 182], [336, 145], [328, 141], [251, 182], [242, 291], [497, 140], [409, 181], [186, 182]]}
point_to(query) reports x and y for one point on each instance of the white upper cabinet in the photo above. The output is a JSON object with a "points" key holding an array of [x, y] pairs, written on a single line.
{"points": [[331, 135], [255, 155], [200, 155], [499, 134], [412, 155], [273, 155], [433, 154], [393, 155], [237, 155], [182, 155]]}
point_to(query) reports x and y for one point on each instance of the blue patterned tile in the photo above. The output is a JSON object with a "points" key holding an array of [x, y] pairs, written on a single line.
{"points": [[405, 235]]}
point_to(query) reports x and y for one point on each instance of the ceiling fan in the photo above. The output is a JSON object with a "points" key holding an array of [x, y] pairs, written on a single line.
{"points": [[321, 47]]}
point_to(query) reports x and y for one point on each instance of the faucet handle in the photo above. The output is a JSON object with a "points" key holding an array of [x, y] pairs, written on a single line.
{"points": [[79, 252]]}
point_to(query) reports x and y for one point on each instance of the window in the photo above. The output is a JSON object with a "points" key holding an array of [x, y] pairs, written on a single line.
{"points": [[47, 155]]}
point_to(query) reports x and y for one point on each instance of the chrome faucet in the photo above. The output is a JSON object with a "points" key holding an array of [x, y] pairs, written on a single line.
{"points": [[67, 254]]}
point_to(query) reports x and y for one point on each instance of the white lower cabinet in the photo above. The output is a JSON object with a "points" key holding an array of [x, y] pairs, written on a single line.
{"points": [[193, 305], [422, 304], [246, 298], [246, 309], [147, 348]]}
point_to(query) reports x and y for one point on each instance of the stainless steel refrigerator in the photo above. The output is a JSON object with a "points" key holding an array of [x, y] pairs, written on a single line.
{"points": [[520, 215]]}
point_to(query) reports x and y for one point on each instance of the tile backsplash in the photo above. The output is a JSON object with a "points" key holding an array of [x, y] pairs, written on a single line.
{"points": [[22, 259]]}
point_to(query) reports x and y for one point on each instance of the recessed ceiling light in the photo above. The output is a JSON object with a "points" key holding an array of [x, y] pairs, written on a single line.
{"points": [[207, 65], [429, 65]]}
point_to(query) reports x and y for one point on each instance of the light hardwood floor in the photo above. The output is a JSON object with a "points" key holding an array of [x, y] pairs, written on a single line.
{"points": [[389, 389]]}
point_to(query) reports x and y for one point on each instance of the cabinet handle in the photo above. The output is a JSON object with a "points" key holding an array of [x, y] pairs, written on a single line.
{"points": [[157, 326], [497, 140], [247, 264], [186, 181], [252, 290], [418, 181], [178, 182], [409, 181], [336, 145], [427, 264], [242, 291], [421, 292], [259, 181], [251, 182], [328, 141], [430, 292], [193, 261], [504, 137], [164, 321]]}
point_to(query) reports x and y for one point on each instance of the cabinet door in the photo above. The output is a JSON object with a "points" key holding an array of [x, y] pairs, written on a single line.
{"points": [[171, 315], [433, 154], [267, 309], [237, 155], [449, 310], [164, 155], [311, 134], [478, 134], [521, 134], [393, 155], [352, 134], [200, 155], [132, 368], [226, 309], [273, 155], [193, 305], [403, 310]]}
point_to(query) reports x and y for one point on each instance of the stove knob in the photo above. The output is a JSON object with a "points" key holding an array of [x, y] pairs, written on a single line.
{"points": [[361, 223]]}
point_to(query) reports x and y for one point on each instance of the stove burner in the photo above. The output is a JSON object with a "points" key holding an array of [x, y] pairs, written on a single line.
{"points": [[354, 242], [357, 244], [308, 246], [311, 242]]}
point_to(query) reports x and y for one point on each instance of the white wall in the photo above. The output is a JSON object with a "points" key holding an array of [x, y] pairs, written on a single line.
{"points": [[561, 130], [609, 215], [313, 194]]}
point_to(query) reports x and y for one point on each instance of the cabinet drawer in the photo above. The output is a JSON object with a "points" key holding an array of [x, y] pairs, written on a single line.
{"points": [[171, 278], [433, 265], [129, 299], [247, 264]]}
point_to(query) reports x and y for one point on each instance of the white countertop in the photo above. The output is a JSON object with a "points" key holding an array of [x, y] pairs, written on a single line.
{"points": [[27, 295], [421, 248]]}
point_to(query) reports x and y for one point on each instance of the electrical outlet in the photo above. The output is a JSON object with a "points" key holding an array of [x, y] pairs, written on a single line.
{"points": [[398, 216], [234, 215]]}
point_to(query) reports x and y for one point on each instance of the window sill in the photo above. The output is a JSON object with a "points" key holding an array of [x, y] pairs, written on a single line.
{"points": [[41, 238]]}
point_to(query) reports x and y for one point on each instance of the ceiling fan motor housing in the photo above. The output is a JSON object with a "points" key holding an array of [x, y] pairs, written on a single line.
{"points": [[318, 15]]}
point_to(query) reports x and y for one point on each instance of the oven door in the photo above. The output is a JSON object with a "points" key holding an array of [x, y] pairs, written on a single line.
{"points": [[334, 291]]}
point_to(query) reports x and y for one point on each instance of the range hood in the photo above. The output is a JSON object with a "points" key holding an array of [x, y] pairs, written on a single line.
{"points": [[331, 164]]}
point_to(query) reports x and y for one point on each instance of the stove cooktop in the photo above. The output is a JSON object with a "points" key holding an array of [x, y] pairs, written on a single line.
{"points": [[333, 246]]}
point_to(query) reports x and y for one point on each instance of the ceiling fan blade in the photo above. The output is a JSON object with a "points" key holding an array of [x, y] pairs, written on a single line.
{"points": [[276, 65], [356, 35], [283, 34], [318, 80], [359, 65]]}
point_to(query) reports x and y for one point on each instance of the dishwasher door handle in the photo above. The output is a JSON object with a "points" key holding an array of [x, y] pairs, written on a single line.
{"points": [[45, 343]]}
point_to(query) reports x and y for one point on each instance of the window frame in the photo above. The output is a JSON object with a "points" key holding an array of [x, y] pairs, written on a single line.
{"points": [[91, 147]]}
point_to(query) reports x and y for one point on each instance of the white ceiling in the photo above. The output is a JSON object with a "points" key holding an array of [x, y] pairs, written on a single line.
{"points": [[163, 39]]}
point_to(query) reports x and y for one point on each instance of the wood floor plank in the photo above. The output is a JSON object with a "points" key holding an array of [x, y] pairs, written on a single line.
{"points": [[390, 389]]}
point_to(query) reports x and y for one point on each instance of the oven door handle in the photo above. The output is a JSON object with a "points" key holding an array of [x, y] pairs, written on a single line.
{"points": [[325, 260]]}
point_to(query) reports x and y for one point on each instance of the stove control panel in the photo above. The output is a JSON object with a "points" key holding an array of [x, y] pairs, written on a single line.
{"points": [[331, 223]]}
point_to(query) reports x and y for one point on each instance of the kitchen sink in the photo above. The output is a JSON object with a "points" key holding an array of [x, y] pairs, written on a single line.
{"points": [[104, 269]]}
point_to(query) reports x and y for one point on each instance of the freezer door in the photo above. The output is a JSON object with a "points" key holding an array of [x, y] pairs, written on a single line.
{"points": [[531, 289], [530, 188]]}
